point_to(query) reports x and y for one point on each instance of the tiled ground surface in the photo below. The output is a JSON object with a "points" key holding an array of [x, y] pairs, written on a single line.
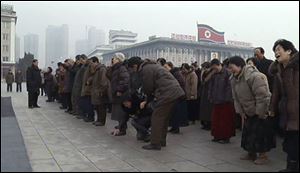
{"points": [[57, 141]]}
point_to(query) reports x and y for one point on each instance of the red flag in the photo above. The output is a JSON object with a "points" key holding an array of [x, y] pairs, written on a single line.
{"points": [[207, 33]]}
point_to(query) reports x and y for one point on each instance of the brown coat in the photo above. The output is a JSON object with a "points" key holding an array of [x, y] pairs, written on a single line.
{"points": [[99, 86], [87, 82], [250, 91], [9, 78], [191, 82], [160, 82], [286, 81]]}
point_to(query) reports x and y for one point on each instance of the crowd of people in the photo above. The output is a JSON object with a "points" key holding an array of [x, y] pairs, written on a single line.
{"points": [[259, 96]]}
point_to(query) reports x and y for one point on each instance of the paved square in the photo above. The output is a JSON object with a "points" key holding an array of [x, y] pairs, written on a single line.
{"points": [[57, 141]]}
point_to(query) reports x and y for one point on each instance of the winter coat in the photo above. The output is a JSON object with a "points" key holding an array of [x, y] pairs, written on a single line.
{"points": [[33, 79], [77, 86], [158, 81], [99, 86], [285, 96], [9, 78], [251, 92], [176, 72], [87, 82], [19, 77], [49, 82], [119, 80], [191, 82], [219, 90]]}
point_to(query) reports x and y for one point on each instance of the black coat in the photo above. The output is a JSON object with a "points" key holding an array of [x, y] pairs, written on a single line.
{"points": [[263, 66], [119, 81], [178, 75], [33, 79], [19, 77]]}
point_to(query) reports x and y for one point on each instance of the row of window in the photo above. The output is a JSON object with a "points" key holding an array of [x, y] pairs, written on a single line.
{"points": [[5, 59], [5, 24], [5, 48], [5, 36]]}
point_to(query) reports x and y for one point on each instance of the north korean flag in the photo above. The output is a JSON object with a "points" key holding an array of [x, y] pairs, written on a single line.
{"points": [[207, 33]]}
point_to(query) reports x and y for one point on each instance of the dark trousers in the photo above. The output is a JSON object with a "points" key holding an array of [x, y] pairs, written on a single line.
{"points": [[9, 87], [68, 101], [291, 145], [192, 110], [33, 98], [160, 121], [19, 87], [101, 113], [142, 124], [42, 89], [63, 99], [87, 107]]}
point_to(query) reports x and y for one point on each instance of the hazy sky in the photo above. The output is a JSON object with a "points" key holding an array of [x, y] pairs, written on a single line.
{"points": [[260, 23]]}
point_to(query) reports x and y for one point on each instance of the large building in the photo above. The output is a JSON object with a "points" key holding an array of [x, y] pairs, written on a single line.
{"points": [[180, 51], [8, 38], [57, 42], [96, 37], [121, 38], [31, 45], [81, 47], [99, 50]]}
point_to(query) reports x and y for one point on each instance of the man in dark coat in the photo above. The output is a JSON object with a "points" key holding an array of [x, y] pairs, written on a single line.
{"points": [[34, 82], [9, 80], [77, 86], [263, 64], [99, 95], [19, 80], [157, 81]]}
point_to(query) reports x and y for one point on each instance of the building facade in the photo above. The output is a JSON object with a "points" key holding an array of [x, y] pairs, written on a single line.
{"points": [[96, 37], [18, 49], [99, 51], [180, 51], [121, 38], [8, 38], [31, 44], [57, 42]]}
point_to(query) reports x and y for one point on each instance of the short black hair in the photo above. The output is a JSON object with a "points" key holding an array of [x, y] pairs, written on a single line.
{"points": [[215, 62], [254, 60], [286, 45], [261, 50], [59, 64], [225, 62], [205, 65], [162, 61], [83, 56], [34, 60], [186, 66], [94, 59], [50, 69], [77, 57], [237, 60], [135, 60]]}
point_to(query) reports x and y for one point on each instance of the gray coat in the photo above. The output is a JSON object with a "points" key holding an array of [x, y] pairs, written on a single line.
{"points": [[220, 88], [251, 92]]}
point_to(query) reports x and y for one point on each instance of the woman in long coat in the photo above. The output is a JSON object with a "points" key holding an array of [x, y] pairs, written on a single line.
{"points": [[251, 96], [119, 79]]}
